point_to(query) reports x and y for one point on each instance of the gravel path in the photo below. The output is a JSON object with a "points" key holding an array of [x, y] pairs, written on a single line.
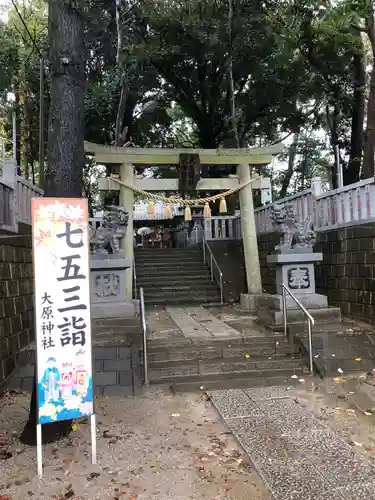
{"points": [[157, 447]]}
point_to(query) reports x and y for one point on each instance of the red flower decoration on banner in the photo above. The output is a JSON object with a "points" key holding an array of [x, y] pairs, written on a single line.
{"points": [[43, 235]]}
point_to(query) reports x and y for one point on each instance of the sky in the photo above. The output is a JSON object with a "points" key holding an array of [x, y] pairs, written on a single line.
{"points": [[4, 6]]}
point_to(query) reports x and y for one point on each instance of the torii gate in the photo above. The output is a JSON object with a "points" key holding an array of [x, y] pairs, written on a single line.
{"points": [[127, 157]]}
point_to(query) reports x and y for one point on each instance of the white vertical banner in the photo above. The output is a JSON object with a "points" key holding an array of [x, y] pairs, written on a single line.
{"points": [[62, 308]]}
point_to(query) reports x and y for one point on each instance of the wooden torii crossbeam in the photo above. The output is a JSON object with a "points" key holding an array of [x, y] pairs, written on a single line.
{"points": [[163, 156]]}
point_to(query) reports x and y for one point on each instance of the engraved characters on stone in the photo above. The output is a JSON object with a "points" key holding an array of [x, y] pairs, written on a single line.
{"points": [[298, 278]]}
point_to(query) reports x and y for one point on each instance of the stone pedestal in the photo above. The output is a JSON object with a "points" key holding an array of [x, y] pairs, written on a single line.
{"points": [[108, 291], [296, 271]]}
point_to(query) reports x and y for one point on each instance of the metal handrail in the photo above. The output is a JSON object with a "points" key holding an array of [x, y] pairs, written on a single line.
{"points": [[135, 281], [142, 312], [213, 261], [310, 321]]}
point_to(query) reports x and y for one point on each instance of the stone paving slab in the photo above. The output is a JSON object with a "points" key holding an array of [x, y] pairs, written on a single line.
{"points": [[337, 461], [234, 403], [349, 353], [212, 324], [187, 324], [359, 491], [289, 415], [287, 473], [295, 453], [266, 393], [198, 323]]}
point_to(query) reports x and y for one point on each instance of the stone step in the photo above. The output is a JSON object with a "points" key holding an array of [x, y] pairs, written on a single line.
{"points": [[241, 381], [168, 256], [169, 371], [156, 272], [162, 280], [240, 351], [210, 299], [271, 317], [332, 328], [178, 288], [165, 251], [176, 264], [250, 378], [191, 289], [179, 343]]}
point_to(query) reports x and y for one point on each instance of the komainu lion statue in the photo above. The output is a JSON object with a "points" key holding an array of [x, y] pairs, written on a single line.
{"points": [[106, 238], [293, 234]]}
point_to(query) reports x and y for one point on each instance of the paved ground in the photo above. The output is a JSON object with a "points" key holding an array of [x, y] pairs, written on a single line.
{"points": [[307, 442], [153, 447], [201, 323]]}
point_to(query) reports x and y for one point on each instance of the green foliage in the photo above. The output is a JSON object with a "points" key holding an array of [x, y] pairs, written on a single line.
{"points": [[294, 65]]}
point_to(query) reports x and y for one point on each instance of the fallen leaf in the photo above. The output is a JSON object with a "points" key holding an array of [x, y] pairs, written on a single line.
{"points": [[339, 379], [340, 370], [108, 434], [92, 476], [357, 359]]}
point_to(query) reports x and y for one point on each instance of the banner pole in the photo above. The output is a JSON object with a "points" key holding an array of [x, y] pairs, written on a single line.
{"points": [[93, 439], [39, 449]]}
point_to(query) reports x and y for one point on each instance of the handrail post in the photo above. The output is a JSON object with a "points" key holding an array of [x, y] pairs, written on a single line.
{"points": [[204, 251], [309, 326], [285, 312], [310, 322], [144, 331], [212, 269], [221, 287]]}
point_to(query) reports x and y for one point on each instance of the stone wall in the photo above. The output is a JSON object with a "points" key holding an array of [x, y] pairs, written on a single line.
{"points": [[16, 300], [347, 273], [266, 245], [230, 258]]}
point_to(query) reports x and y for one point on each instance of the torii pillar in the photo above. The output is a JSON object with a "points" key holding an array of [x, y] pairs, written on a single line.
{"points": [[126, 200], [249, 240]]}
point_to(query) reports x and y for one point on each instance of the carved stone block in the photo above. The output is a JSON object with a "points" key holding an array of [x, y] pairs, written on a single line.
{"points": [[108, 298], [107, 237], [294, 235]]}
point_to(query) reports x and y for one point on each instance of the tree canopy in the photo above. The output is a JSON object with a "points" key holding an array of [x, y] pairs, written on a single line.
{"points": [[211, 73]]}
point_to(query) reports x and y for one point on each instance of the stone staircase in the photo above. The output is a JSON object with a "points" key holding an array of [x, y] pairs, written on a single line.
{"points": [[229, 363], [174, 276]]}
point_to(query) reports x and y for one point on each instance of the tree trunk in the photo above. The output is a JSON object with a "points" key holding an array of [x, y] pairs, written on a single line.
{"points": [[369, 143], [289, 171], [65, 152], [65, 142], [121, 132], [332, 122], [352, 173]]}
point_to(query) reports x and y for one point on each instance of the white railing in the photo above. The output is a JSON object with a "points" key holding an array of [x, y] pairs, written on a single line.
{"points": [[7, 207], [15, 198], [222, 228], [25, 191], [347, 206]]}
